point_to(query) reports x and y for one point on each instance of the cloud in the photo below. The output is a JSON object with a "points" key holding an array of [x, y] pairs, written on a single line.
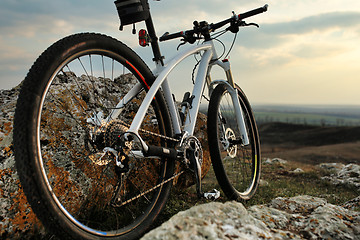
{"points": [[63, 8], [307, 50], [288, 48], [320, 22], [27, 29], [311, 41], [16, 14], [177, 15], [14, 62], [277, 34]]}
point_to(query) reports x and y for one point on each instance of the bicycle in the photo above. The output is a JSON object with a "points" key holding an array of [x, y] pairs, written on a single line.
{"points": [[97, 134]]}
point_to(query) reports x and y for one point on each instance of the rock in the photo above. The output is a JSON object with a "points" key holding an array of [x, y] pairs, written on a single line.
{"points": [[348, 175], [275, 161], [301, 217], [214, 220], [332, 166], [17, 217], [283, 218], [263, 182], [301, 204], [297, 170], [352, 204]]}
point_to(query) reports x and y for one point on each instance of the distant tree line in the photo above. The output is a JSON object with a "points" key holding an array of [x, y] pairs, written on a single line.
{"points": [[338, 122]]}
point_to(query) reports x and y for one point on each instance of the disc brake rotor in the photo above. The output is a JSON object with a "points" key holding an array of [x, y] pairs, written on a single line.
{"points": [[231, 149]]}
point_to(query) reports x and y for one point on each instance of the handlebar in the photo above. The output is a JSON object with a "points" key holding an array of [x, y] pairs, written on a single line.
{"points": [[188, 35], [168, 36], [253, 12]]}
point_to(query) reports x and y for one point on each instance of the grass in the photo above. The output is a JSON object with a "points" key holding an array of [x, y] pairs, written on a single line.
{"points": [[277, 180], [281, 182]]}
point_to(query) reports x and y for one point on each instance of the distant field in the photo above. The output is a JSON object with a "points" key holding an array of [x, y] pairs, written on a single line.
{"points": [[312, 115], [320, 115], [306, 118]]}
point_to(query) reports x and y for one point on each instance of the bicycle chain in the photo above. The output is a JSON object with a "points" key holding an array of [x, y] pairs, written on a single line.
{"points": [[149, 190], [120, 125]]}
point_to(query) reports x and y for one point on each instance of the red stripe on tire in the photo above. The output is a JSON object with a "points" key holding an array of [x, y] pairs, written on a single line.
{"points": [[139, 74]]}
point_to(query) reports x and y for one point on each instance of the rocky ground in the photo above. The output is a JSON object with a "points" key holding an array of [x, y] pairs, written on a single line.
{"points": [[17, 219], [300, 217]]}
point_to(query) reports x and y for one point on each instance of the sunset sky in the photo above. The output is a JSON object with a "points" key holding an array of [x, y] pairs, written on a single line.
{"points": [[305, 52]]}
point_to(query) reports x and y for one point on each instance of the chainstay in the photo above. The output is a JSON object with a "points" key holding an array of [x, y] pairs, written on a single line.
{"points": [[158, 185], [149, 190], [151, 133]]}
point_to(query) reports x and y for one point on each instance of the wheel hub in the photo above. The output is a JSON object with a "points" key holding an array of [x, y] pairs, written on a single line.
{"points": [[230, 148], [106, 139]]}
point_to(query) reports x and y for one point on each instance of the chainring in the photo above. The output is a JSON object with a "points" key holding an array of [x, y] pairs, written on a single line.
{"points": [[192, 144]]}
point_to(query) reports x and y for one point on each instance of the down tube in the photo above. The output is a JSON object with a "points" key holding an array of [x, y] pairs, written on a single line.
{"points": [[135, 125]]}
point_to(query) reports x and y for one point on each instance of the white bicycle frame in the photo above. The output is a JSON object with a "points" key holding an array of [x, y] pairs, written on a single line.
{"points": [[208, 59]]}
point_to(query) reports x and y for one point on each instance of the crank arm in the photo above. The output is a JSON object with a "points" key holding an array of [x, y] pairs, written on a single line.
{"points": [[197, 171]]}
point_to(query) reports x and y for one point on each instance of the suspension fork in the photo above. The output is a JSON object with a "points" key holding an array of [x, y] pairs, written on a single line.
{"points": [[231, 88]]}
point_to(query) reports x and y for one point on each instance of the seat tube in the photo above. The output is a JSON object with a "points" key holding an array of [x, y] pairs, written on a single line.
{"points": [[154, 41], [172, 107]]}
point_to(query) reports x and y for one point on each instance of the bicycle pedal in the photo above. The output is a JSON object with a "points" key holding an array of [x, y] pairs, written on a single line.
{"points": [[213, 195]]}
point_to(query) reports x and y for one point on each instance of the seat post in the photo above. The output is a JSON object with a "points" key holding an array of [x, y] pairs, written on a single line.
{"points": [[154, 41]]}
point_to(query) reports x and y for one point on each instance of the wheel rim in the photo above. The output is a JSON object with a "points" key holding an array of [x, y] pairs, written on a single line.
{"points": [[78, 186], [239, 161]]}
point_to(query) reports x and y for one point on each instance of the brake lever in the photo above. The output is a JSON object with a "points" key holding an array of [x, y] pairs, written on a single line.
{"points": [[244, 24], [253, 24], [186, 38], [183, 43]]}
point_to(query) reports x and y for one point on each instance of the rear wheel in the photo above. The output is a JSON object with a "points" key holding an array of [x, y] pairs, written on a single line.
{"points": [[80, 178], [236, 166]]}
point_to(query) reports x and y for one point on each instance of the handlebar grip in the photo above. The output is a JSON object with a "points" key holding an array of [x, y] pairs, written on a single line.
{"points": [[168, 36], [253, 12]]}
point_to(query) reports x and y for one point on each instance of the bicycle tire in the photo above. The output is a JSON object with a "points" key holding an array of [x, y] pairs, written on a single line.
{"points": [[68, 177], [237, 167]]}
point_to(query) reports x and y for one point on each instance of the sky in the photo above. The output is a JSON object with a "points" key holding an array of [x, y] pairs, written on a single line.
{"points": [[305, 52]]}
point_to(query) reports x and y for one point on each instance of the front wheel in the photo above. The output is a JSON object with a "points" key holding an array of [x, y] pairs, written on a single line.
{"points": [[236, 166]]}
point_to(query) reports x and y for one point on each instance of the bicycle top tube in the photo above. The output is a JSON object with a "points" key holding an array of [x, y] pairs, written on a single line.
{"points": [[204, 29]]}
